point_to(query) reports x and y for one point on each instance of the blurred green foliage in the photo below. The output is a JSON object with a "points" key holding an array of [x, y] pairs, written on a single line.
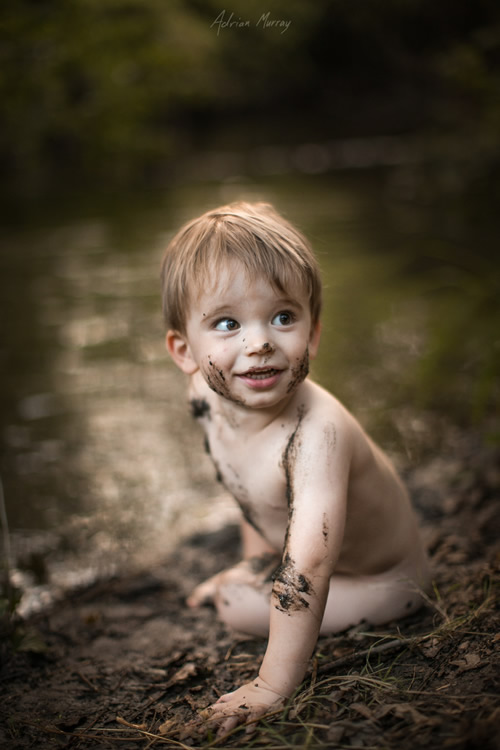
{"points": [[459, 373], [119, 90]]}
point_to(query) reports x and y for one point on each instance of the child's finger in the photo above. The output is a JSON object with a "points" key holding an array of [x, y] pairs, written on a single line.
{"points": [[224, 698], [192, 729], [251, 726], [228, 725], [205, 714]]}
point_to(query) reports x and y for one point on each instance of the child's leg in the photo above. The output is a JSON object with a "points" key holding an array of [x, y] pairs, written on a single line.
{"points": [[247, 574], [258, 557], [245, 608], [373, 599], [376, 599]]}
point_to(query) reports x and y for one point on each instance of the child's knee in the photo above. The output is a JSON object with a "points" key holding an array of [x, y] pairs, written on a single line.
{"points": [[243, 608]]}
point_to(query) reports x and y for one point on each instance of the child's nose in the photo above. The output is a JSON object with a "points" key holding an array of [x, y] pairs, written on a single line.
{"points": [[261, 347], [258, 341]]}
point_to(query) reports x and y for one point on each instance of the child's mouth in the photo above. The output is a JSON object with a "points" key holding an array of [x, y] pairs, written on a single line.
{"points": [[261, 379], [260, 374]]}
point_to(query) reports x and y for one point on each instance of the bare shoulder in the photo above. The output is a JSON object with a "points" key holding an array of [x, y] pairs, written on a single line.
{"points": [[328, 427], [369, 465], [327, 420]]}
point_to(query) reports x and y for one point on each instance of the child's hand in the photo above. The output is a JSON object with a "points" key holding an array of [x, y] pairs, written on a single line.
{"points": [[246, 704]]}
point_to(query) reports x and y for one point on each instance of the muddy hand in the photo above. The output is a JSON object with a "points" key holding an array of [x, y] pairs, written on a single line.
{"points": [[244, 706]]}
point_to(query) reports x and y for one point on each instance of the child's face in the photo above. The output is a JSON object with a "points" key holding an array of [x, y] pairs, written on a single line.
{"points": [[251, 342]]}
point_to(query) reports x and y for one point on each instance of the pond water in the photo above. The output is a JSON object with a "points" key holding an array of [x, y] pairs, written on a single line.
{"points": [[101, 465]]}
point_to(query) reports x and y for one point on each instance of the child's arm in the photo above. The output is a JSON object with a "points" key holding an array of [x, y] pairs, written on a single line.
{"points": [[318, 470]]}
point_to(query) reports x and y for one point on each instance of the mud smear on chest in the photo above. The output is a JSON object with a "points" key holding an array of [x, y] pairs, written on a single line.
{"points": [[247, 510], [199, 409], [288, 462], [238, 493]]}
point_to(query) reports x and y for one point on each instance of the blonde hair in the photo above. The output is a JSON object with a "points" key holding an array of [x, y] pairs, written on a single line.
{"points": [[252, 233]]}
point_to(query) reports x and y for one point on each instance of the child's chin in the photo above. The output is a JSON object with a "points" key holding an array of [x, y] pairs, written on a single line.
{"points": [[264, 399]]}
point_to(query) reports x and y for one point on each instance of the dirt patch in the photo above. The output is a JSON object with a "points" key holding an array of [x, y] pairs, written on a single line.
{"points": [[125, 664]]}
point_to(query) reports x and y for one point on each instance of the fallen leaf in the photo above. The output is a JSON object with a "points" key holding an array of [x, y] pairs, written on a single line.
{"points": [[417, 717], [403, 711], [432, 647], [362, 709], [167, 727], [335, 733], [187, 670], [192, 702], [470, 661]]}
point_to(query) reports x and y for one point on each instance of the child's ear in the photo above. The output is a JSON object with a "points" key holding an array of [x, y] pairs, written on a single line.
{"points": [[180, 351], [314, 339]]}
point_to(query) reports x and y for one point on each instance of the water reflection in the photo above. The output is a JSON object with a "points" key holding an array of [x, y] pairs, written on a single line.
{"points": [[101, 464], [98, 458]]}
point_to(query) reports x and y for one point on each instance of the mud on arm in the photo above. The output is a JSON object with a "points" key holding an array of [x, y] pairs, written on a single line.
{"points": [[316, 464]]}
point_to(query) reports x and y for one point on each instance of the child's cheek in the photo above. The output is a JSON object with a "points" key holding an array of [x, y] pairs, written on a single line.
{"points": [[299, 372], [216, 380], [214, 377]]}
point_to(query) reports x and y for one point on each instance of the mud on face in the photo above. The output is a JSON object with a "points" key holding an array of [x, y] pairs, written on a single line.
{"points": [[299, 372], [216, 381]]}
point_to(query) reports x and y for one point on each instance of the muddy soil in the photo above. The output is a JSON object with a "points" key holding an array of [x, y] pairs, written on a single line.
{"points": [[125, 664]]}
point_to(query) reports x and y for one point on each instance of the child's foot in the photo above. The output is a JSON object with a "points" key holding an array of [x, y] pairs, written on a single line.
{"points": [[204, 593], [246, 572]]}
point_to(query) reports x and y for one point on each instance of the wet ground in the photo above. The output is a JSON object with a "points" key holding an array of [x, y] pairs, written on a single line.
{"points": [[125, 663]]}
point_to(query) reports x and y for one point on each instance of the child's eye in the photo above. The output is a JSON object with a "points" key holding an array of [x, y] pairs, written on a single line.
{"points": [[227, 324], [283, 319]]}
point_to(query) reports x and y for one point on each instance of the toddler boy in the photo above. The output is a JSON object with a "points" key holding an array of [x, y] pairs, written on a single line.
{"points": [[328, 534]]}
